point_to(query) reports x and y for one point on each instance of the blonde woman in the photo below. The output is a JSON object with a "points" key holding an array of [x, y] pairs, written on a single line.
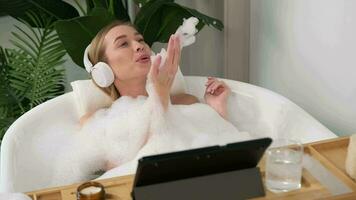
{"points": [[125, 51]]}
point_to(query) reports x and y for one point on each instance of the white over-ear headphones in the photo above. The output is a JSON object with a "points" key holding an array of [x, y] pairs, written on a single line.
{"points": [[100, 72]]}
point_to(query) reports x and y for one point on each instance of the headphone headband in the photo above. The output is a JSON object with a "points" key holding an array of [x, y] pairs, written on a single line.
{"points": [[88, 65]]}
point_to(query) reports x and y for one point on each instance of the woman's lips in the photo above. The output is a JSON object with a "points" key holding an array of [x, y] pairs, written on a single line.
{"points": [[144, 59]]}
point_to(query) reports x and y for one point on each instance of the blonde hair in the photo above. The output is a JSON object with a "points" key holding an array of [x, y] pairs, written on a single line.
{"points": [[97, 54]]}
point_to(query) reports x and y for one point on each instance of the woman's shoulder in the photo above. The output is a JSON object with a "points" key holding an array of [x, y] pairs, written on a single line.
{"points": [[184, 99]]}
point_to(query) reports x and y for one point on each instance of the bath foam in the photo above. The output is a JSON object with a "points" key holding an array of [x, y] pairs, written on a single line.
{"points": [[135, 127]]}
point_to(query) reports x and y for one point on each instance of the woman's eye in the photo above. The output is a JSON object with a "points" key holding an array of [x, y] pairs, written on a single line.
{"points": [[124, 44], [141, 40]]}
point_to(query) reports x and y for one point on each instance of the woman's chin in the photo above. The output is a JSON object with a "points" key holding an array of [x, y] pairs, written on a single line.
{"points": [[145, 66], [145, 69]]}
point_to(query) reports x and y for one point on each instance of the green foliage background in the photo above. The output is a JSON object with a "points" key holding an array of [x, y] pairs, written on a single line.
{"points": [[30, 73]]}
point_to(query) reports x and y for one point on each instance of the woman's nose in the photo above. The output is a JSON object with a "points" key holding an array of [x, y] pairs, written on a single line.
{"points": [[138, 46]]}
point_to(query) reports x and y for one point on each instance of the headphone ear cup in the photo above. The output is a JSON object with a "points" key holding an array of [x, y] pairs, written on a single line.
{"points": [[102, 74]]}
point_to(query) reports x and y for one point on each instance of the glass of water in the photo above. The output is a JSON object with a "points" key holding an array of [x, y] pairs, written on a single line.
{"points": [[284, 165]]}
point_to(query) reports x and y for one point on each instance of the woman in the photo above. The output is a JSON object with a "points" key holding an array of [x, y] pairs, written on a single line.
{"points": [[125, 51], [143, 119]]}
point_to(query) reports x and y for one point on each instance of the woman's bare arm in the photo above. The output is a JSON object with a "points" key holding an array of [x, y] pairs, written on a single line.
{"points": [[85, 118], [184, 99]]}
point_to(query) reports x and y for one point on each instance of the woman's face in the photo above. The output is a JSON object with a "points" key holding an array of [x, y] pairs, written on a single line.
{"points": [[127, 53]]}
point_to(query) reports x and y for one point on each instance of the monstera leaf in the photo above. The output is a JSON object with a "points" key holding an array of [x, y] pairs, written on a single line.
{"points": [[115, 7], [77, 33], [53, 9], [149, 19], [158, 19]]}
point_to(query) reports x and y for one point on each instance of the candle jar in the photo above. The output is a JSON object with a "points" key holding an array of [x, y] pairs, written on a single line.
{"points": [[91, 191]]}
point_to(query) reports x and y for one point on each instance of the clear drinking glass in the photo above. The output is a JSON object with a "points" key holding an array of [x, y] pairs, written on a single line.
{"points": [[284, 165]]}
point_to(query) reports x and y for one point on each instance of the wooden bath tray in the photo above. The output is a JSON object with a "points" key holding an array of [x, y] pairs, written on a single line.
{"points": [[331, 153]]}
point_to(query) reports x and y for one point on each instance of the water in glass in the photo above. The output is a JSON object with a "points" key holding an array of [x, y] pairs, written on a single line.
{"points": [[283, 169]]}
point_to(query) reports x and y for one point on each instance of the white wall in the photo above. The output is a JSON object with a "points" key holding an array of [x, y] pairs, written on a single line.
{"points": [[206, 56], [306, 50], [219, 53], [236, 39]]}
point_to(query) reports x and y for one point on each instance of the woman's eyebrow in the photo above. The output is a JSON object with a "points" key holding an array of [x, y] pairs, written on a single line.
{"points": [[124, 36], [120, 37], [139, 34]]}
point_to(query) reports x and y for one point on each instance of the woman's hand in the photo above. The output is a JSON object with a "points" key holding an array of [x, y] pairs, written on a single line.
{"points": [[216, 95], [163, 78]]}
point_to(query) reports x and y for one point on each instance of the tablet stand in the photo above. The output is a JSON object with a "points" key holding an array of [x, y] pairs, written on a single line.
{"points": [[238, 184]]}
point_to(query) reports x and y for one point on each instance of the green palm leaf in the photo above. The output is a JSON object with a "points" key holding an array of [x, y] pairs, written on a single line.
{"points": [[36, 74], [31, 73], [10, 104], [8, 95], [5, 119]]}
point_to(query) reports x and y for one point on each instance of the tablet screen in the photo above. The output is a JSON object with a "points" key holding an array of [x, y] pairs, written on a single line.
{"points": [[199, 162]]}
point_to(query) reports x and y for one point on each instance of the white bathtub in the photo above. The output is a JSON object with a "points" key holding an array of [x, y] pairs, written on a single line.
{"points": [[27, 165]]}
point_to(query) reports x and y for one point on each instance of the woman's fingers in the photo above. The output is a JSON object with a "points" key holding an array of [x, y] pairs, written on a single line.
{"points": [[155, 67], [214, 86], [167, 73], [170, 51], [209, 82], [173, 57], [219, 84], [177, 51]]}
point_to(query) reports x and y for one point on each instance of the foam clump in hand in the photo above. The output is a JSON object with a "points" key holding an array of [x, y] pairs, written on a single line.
{"points": [[186, 33]]}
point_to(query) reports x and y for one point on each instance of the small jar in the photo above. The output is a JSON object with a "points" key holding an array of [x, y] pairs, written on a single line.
{"points": [[91, 191]]}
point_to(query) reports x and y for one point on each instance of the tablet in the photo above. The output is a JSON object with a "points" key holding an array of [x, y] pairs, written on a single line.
{"points": [[199, 162]]}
